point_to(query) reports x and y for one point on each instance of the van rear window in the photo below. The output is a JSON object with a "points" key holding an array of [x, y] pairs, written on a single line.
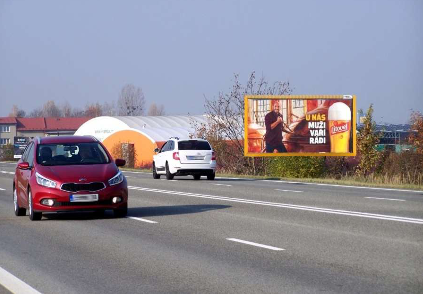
{"points": [[193, 145]]}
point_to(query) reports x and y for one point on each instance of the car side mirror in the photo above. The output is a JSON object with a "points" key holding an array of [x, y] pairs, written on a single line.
{"points": [[157, 150], [120, 162], [23, 165]]}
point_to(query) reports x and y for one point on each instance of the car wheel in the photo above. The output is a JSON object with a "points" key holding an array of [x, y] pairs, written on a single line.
{"points": [[121, 212], [155, 174], [197, 177], [19, 211], [211, 176], [169, 176], [34, 216]]}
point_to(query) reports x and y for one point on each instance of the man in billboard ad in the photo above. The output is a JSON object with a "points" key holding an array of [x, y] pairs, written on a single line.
{"points": [[274, 128], [300, 125]]}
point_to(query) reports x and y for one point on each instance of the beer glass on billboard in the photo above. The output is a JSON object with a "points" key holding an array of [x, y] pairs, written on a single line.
{"points": [[339, 116]]}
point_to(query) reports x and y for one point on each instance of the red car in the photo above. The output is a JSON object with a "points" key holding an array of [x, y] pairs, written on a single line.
{"points": [[68, 173]]}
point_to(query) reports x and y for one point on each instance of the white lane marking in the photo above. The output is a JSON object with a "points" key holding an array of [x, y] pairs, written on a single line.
{"points": [[6, 172], [226, 178], [391, 199], [289, 191], [223, 185], [1, 189], [4, 162], [15, 285], [292, 206], [344, 186], [142, 220], [255, 244]]}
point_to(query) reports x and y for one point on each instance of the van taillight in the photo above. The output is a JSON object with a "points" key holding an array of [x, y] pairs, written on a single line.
{"points": [[176, 156], [213, 155]]}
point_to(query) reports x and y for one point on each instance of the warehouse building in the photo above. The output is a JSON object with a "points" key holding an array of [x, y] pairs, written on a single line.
{"points": [[142, 133]]}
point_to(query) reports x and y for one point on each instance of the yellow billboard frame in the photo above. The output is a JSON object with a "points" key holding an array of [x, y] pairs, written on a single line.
{"points": [[300, 97]]}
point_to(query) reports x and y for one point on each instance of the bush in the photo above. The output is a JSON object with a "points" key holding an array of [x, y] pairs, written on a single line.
{"points": [[406, 166], [296, 167], [7, 152]]}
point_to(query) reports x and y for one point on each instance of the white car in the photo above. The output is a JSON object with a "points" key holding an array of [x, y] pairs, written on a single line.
{"points": [[185, 157]]}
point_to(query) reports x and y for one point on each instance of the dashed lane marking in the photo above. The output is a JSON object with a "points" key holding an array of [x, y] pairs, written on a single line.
{"points": [[391, 199], [289, 191], [1, 189], [6, 172], [142, 220], [255, 244], [223, 185], [15, 285]]}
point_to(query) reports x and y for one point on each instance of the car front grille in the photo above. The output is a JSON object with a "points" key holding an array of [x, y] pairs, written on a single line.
{"points": [[76, 187], [100, 202]]}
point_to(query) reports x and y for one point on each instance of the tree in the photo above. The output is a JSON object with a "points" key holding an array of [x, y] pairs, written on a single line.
{"points": [[66, 109], [367, 139], [51, 110], [416, 131], [93, 110], [109, 108], [37, 112], [17, 112], [225, 123], [131, 101], [155, 110]]}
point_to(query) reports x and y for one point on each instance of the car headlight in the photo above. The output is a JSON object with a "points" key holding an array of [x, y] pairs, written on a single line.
{"points": [[117, 179], [44, 181]]}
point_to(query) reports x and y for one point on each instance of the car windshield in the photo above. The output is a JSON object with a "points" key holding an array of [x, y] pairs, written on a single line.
{"points": [[71, 154], [193, 145]]}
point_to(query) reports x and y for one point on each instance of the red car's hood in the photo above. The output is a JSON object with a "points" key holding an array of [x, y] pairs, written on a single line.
{"points": [[74, 173]]}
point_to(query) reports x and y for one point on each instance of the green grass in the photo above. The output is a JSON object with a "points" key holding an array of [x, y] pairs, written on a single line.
{"points": [[347, 181]]}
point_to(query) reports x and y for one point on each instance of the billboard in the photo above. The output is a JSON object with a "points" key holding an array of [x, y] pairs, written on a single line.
{"points": [[19, 146], [300, 125]]}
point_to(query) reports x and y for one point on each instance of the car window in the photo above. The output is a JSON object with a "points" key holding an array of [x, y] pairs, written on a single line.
{"points": [[71, 153], [172, 145], [25, 154], [165, 146], [30, 157], [193, 145]]}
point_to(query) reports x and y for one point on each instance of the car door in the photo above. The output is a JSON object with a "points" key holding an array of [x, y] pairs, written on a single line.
{"points": [[160, 159], [25, 174]]}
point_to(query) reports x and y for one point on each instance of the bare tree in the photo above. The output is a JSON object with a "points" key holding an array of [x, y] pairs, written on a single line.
{"points": [[93, 110], [78, 112], [37, 112], [51, 110], [225, 122], [155, 110], [109, 108], [131, 101], [17, 112], [66, 109]]}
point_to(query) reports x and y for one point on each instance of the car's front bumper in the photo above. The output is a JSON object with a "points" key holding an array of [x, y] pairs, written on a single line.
{"points": [[62, 199]]}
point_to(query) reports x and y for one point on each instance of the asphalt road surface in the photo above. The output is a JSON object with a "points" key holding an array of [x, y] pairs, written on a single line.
{"points": [[224, 236]]}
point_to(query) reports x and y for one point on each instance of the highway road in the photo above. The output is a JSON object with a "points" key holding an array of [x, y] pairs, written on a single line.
{"points": [[224, 236]]}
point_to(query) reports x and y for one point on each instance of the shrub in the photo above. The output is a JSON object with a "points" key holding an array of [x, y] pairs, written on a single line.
{"points": [[296, 167]]}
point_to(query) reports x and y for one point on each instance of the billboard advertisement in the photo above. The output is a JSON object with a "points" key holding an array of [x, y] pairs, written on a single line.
{"points": [[300, 125], [19, 146]]}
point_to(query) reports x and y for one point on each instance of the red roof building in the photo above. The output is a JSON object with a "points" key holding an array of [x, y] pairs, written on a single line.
{"points": [[29, 127]]}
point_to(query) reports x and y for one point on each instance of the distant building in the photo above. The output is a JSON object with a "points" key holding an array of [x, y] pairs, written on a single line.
{"points": [[144, 133], [19, 130], [393, 137]]}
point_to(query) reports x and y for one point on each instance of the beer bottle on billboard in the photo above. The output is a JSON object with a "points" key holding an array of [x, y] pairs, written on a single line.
{"points": [[339, 117]]}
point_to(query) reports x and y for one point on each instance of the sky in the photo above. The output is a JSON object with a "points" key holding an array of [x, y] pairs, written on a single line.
{"points": [[180, 52]]}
